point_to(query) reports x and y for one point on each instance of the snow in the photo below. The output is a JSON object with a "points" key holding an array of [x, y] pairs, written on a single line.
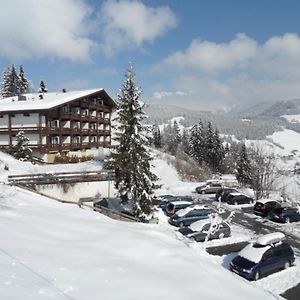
{"points": [[51, 250], [288, 139], [184, 211], [270, 238], [253, 254], [198, 225], [292, 118], [33, 101]]}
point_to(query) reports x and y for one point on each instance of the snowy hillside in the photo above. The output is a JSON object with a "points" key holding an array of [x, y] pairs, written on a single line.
{"points": [[58, 251]]}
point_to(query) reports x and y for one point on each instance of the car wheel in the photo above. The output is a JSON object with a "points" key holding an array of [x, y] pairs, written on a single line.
{"points": [[181, 225], [235, 203], [287, 220], [202, 192], [256, 275], [286, 265]]}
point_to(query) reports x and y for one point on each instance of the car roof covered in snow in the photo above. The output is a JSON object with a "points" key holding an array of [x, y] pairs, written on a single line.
{"points": [[271, 238], [198, 225], [186, 210], [266, 200]]}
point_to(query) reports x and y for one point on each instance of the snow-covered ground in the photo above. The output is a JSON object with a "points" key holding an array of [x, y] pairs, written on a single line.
{"points": [[292, 118], [51, 250]]}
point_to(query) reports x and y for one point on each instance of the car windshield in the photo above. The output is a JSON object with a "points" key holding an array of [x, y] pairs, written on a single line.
{"points": [[244, 263]]}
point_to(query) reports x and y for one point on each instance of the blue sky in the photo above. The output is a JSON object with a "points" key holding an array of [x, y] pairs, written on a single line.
{"points": [[197, 53]]}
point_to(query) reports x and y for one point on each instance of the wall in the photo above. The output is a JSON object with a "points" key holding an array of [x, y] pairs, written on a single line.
{"points": [[79, 190], [20, 120]]}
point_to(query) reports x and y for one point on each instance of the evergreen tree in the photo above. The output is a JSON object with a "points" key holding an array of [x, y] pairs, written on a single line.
{"points": [[43, 88], [156, 136], [131, 159], [197, 142], [24, 85], [174, 138], [185, 142], [10, 84], [244, 167], [21, 150]]}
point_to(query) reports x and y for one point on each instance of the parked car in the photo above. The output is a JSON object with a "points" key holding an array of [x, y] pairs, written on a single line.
{"points": [[263, 207], [199, 230], [166, 199], [269, 254], [210, 188], [174, 206], [238, 198], [224, 192], [285, 214], [190, 214]]}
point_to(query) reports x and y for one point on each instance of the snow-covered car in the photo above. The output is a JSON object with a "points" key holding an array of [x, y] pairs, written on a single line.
{"points": [[174, 206], [269, 254], [238, 198], [203, 229], [263, 207], [190, 214], [166, 199]]}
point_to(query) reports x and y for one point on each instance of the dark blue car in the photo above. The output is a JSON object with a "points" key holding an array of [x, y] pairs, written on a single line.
{"points": [[285, 214], [269, 254]]}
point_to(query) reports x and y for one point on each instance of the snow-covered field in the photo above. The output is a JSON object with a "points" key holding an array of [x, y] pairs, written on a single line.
{"points": [[51, 250]]}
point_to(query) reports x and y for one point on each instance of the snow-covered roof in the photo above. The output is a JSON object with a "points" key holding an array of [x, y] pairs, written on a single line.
{"points": [[184, 211], [253, 254], [49, 100], [238, 194], [198, 225], [263, 201], [180, 202], [271, 238]]}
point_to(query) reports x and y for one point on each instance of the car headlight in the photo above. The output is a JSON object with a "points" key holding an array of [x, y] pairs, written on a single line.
{"points": [[246, 271]]}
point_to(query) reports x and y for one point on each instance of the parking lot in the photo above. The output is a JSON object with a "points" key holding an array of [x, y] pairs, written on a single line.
{"points": [[245, 219]]}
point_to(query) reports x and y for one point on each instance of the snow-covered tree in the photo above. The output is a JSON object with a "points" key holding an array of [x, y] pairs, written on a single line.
{"points": [[132, 159], [24, 85], [197, 142], [10, 85], [21, 150], [43, 88], [156, 136], [244, 171]]}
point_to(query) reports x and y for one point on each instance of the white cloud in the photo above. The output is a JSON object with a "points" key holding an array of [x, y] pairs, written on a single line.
{"points": [[52, 28], [161, 95], [127, 24], [237, 72], [213, 58]]}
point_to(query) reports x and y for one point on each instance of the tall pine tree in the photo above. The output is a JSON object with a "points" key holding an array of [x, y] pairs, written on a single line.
{"points": [[24, 86], [131, 159], [10, 85], [244, 167]]}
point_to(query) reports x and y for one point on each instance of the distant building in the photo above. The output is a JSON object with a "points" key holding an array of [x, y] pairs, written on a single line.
{"points": [[58, 123]]}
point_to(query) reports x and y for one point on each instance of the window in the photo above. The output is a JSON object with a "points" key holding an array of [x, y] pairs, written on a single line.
{"points": [[12, 115], [26, 115], [1, 116]]}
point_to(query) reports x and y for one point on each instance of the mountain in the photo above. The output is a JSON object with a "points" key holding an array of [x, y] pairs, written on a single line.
{"points": [[256, 122], [268, 109]]}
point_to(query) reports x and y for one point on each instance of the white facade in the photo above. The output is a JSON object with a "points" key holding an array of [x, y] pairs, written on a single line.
{"points": [[24, 120]]}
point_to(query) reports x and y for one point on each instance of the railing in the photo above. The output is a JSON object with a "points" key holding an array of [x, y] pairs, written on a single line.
{"points": [[61, 177]]}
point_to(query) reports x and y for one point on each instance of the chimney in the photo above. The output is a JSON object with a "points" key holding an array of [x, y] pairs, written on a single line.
{"points": [[21, 98], [64, 90]]}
